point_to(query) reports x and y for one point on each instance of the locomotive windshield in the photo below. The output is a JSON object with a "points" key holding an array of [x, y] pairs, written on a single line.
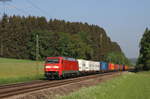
{"points": [[52, 61]]}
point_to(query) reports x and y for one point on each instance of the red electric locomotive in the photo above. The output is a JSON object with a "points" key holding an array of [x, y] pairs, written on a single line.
{"points": [[58, 67]]}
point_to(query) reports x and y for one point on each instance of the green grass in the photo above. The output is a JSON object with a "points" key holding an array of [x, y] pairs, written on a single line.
{"points": [[128, 86], [16, 70]]}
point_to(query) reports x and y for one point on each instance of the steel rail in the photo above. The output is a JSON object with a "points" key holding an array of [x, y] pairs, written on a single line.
{"points": [[16, 89]]}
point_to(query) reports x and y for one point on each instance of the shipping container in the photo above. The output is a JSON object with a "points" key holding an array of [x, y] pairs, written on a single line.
{"points": [[116, 67], [92, 66], [82, 65], [111, 67], [121, 67], [96, 66], [88, 66], [126, 67], [103, 66]]}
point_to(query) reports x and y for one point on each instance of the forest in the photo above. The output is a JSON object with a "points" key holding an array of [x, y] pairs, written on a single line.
{"points": [[18, 36]]}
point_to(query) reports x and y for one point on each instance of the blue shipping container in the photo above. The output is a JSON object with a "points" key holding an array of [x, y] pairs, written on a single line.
{"points": [[104, 66], [123, 67]]}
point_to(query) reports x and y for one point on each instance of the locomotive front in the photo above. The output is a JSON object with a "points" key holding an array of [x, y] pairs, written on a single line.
{"points": [[53, 67]]}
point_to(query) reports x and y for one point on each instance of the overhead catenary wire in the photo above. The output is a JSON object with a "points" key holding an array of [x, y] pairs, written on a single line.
{"points": [[4, 1], [21, 10], [37, 7]]}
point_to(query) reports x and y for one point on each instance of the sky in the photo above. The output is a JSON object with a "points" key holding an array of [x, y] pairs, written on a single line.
{"points": [[124, 20]]}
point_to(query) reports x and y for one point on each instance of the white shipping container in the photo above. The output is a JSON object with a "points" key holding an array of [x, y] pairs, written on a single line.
{"points": [[91, 66], [85, 65], [82, 64], [97, 66], [94, 66]]}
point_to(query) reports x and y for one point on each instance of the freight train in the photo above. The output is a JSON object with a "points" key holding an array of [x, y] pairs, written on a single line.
{"points": [[63, 67]]}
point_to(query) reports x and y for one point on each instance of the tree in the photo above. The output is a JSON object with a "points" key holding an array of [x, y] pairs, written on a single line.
{"points": [[144, 57]]}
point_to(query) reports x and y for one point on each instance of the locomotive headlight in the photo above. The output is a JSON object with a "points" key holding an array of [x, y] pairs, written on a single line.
{"points": [[51, 66], [47, 66], [55, 66]]}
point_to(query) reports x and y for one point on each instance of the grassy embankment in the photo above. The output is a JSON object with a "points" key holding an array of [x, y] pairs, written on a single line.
{"points": [[128, 86], [16, 70]]}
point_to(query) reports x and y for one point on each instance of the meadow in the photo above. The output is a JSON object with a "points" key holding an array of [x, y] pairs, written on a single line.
{"points": [[127, 86], [17, 70]]}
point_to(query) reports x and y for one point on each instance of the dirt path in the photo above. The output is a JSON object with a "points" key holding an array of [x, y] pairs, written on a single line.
{"points": [[51, 93]]}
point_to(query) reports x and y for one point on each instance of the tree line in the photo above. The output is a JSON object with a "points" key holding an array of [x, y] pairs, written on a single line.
{"points": [[56, 38]]}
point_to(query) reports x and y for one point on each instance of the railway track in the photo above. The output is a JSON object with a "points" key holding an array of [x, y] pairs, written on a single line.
{"points": [[20, 88]]}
